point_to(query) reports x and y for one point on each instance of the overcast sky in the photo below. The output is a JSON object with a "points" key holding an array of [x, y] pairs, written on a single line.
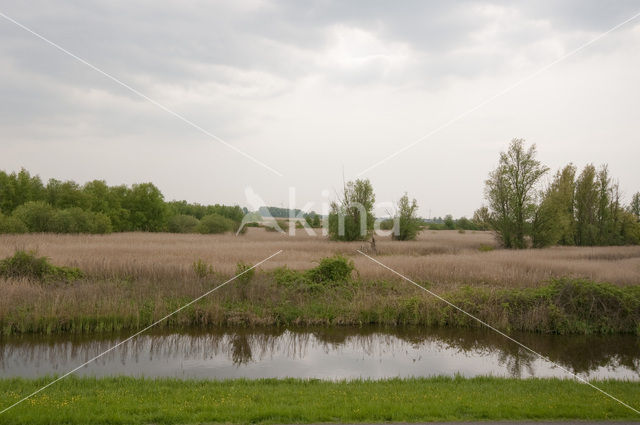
{"points": [[312, 88]]}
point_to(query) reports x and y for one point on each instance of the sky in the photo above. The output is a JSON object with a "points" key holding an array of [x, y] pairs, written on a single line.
{"points": [[230, 98]]}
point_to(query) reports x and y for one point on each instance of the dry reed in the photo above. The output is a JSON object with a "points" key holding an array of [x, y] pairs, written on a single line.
{"points": [[445, 258]]}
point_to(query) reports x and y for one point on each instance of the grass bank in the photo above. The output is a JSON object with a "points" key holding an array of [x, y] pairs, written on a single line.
{"points": [[169, 401], [563, 306], [330, 294]]}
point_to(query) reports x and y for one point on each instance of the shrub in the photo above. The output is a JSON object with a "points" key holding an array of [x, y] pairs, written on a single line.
{"points": [[27, 264], [62, 222], [11, 225], [183, 223], [283, 224], [215, 223], [35, 215], [331, 269], [202, 269], [76, 220], [247, 272], [101, 224]]}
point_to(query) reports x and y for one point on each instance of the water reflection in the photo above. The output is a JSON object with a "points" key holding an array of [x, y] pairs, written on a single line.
{"points": [[330, 353]]}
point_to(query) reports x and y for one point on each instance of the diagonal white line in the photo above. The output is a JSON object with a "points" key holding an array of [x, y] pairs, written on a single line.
{"points": [[496, 96], [584, 381], [137, 333], [142, 95]]}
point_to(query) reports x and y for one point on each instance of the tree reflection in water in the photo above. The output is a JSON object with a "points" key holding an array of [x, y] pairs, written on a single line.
{"points": [[580, 354]]}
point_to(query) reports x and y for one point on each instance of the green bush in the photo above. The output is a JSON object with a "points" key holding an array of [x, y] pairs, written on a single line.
{"points": [[11, 225], [215, 223], [26, 264], [286, 277], [35, 215], [387, 224], [331, 269], [247, 272], [101, 224], [76, 220], [183, 223], [202, 269]]}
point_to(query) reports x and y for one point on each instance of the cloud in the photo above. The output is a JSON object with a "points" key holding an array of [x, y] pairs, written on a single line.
{"points": [[340, 82]]}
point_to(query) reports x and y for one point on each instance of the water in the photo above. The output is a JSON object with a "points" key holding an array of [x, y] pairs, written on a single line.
{"points": [[337, 353]]}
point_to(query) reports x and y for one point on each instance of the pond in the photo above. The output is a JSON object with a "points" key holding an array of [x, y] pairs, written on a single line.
{"points": [[326, 353]]}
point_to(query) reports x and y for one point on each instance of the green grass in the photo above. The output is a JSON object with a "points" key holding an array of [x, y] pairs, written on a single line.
{"points": [[288, 298], [170, 401]]}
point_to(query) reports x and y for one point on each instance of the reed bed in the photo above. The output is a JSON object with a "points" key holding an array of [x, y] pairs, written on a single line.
{"points": [[445, 258], [132, 279]]}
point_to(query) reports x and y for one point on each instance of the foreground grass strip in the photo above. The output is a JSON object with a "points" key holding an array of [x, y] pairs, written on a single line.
{"points": [[125, 400]]}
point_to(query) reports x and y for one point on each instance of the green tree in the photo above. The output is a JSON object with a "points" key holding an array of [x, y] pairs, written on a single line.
{"points": [[351, 217], [117, 212], [634, 206], [408, 222], [449, 222], [586, 207], [97, 196], [604, 212], [18, 188], [629, 228], [66, 194], [146, 207], [481, 218], [511, 193], [463, 223], [553, 220]]}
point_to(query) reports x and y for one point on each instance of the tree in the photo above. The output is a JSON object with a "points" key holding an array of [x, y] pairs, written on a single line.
{"points": [[313, 219], [351, 217], [146, 207], [604, 216], [408, 223], [586, 207], [511, 193], [634, 206], [449, 223], [63, 195], [481, 218], [553, 220], [19, 188]]}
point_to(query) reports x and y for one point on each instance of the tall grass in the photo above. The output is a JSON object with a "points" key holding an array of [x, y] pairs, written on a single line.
{"points": [[444, 257], [287, 297], [130, 280]]}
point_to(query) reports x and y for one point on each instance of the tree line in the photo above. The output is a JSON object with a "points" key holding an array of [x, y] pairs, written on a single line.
{"points": [[583, 209], [29, 205]]}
